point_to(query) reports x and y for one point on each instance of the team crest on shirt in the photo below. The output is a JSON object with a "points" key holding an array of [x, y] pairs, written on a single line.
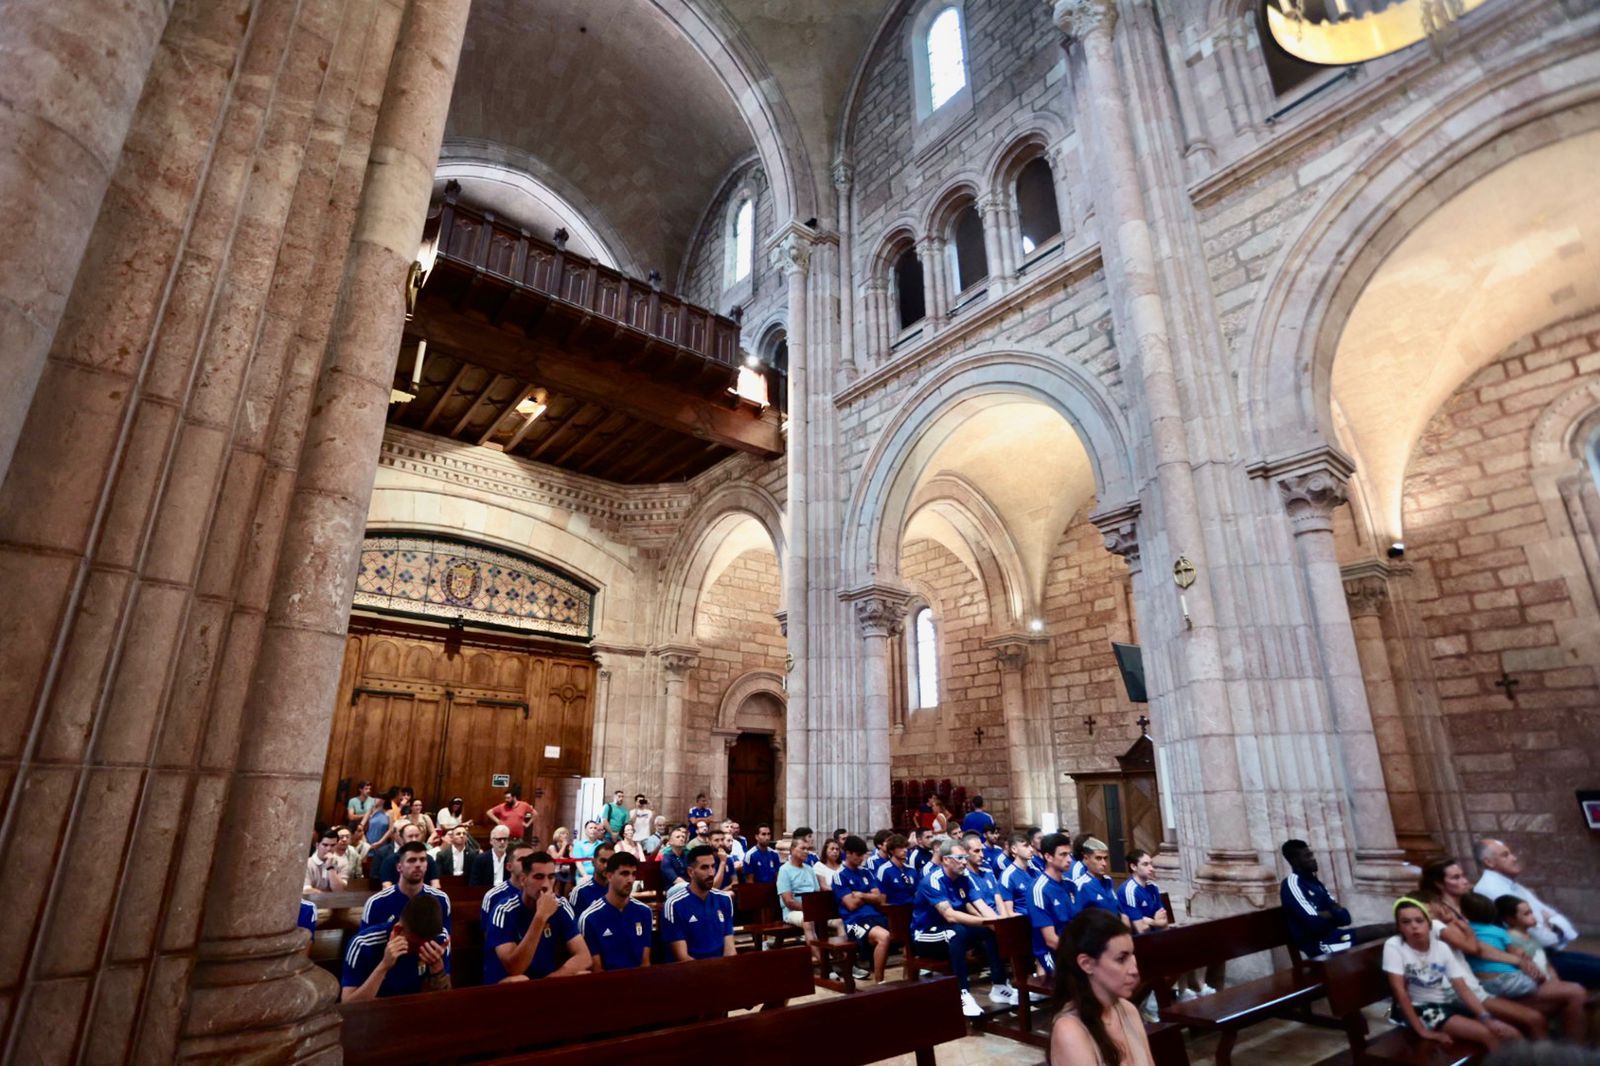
{"points": [[546, 931], [638, 929]]}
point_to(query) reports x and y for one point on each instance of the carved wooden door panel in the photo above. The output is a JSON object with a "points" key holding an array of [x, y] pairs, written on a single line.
{"points": [[1141, 812], [752, 790]]}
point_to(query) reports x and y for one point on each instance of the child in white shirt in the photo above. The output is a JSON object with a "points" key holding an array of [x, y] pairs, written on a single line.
{"points": [[1431, 994]]}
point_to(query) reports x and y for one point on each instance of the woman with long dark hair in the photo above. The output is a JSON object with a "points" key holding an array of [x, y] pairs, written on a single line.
{"points": [[1095, 974]]}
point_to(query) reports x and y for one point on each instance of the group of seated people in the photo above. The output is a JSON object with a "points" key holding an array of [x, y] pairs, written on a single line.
{"points": [[1486, 963]]}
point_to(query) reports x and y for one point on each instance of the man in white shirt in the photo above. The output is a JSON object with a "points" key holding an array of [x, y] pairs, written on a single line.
{"points": [[1501, 868], [490, 866], [322, 869], [454, 856]]}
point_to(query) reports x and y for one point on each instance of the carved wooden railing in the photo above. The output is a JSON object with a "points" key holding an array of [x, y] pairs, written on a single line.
{"points": [[480, 242]]}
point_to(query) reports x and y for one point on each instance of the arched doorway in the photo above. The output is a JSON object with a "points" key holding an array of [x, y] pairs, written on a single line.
{"points": [[752, 780], [750, 724]]}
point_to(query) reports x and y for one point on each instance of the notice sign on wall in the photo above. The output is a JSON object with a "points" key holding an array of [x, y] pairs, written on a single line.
{"points": [[500, 781], [552, 751]]}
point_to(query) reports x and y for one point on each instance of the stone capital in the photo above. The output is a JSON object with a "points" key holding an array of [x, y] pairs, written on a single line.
{"points": [[1311, 484], [1011, 650], [677, 659], [1366, 594], [790, 250], [1078, 19], [1120, 526], [880, 609], [844, 173], [783, 621]]}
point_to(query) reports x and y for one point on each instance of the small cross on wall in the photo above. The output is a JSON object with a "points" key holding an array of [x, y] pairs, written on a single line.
{"points": [[1144, 725], [1508, 683], [977, 734], [1088, 722]]}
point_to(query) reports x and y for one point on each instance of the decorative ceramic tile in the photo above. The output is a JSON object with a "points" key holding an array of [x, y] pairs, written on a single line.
{"points": [[418, 574]]}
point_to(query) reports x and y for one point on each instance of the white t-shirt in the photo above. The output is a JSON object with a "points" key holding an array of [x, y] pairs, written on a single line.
{"points": [[446, 820], [1428, 973]]}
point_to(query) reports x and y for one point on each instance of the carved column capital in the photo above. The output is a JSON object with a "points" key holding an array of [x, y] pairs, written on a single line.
{"points": [[880, 609], [844, 173], [678, 660], [1367, 594], [1012, 655], [1078, 19], [783, 621], [1311, 484], [1120, 526], [791, 254]]}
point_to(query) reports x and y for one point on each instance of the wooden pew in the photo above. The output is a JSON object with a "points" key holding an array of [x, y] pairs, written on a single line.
{"points": [[838, 953], [756, 911], [872, 1025], [472, 1023], [1354, 979], [1165, 955]]}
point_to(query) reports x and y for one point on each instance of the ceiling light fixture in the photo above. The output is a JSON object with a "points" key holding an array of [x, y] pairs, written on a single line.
{"points": [[531, 407], [1332, 33]]}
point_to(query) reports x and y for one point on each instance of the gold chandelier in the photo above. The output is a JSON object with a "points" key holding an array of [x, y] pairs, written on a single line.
{"points": [[1342, 32]]}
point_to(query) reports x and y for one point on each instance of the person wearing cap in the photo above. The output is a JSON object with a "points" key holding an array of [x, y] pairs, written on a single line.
{"points": [[452, 815]]}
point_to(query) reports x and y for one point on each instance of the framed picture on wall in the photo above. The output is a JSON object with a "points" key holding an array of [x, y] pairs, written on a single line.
{"points": [[1589, 801]]}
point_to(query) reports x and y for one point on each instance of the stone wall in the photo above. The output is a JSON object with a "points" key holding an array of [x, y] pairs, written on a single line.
{"points": [[1497, 596], [704, 270]]}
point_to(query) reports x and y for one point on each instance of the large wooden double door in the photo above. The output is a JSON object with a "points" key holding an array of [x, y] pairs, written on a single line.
{"points": [[455, 717]]}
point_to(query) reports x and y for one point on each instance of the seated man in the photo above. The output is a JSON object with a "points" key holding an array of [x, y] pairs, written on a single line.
{"points": [[584, 848], [921, 855], [880, 850], [412, 955], [947, 922], [530, 931], [1140, 897], [859, 896], [674, 859], [1095, 887], [985, 885], [516, 866], [308, 918], [1053, 900], [589, 889], [697, 919], [1318, 926], [385, 868], [323, 868], [728, 867], [1551, 930], [411, 867], [898, 879], [1017, 880], [489, 867], [995, 858], [455, 858], [762, 862], [809, 835], [616, 926]]}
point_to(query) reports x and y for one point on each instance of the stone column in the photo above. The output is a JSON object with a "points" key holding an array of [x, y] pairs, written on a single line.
{"points": [[879, 324], [1011, 652], [791, 257], [1366, 589], [995, 240], [677, 662], [598, 761], [1311, 489], [1231, 863], [930, 251], [252, 989], [843, 176], [70, 81], [880, 612]]}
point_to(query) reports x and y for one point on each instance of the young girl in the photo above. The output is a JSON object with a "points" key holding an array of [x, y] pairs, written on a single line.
{"points": [[1430, 984], [1098, 972], [1514, 917]]}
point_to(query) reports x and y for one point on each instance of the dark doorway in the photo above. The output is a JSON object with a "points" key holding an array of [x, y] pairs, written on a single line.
{"points": [[752, 784]]}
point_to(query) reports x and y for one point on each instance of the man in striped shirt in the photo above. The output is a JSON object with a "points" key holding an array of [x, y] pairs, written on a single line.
{"points": [[410, 955], [529, 932], [411, 867], [947, 922], [616, 926], [697, 919]]}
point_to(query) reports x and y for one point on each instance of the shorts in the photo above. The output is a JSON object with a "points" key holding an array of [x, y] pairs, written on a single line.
{"points": [[1513, 985], [856, 928], [1432, 1015], [795, 918]]}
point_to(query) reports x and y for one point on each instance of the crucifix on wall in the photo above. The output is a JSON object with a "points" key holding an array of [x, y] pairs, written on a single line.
{"points": [[1508, 683], [1144, 725], [977, 734], [1088, 722]]}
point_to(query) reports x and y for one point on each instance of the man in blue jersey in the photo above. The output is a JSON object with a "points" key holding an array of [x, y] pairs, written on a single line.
{"points": [[674, 859], [534, 933], [880, 850], [995, 859], [1016, 883], [762, 862], [898, 879], [516, 865], [1077, 872], [384, 867], [921, 854], [591, 888], [402, 959], [411, 867], [985, 885], [947, 922], [308, 919], [697, 919], [1053, 901], [727, 866], [977, 820], [1139, 896], [1036, 838], [859, 896], [1318, 926], [699, 812], [616, 926], [1095, 887]]}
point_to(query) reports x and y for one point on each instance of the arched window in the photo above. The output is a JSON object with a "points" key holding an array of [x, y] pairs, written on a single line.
{"points": [[967, 258], [744, 239], [775, 353], [947, 61], [922, 658], [908, 288], [1037, 216]]}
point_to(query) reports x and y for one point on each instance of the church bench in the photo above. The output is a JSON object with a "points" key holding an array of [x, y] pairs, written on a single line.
{"points": [[758, 913], [881, 1023], [836, 953], [1165, 955], [1354, 979], [467, 1024]]}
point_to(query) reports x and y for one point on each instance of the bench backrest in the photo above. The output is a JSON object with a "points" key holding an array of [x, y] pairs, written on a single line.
{"points": [[820, 907], [876, 1024], [755, 903], [475, 1022], [1355, 978], [1169, 952]]}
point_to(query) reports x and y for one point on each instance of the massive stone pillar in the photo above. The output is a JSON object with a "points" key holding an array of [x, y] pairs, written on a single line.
{"points": [[1012, 653], [677, 662], [71, 72], [880, 612], [1195, 701], [1311, 490], [253, 990], [791, 256]]}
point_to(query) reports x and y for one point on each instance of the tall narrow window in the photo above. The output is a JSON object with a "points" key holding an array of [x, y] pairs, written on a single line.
{"points": [[947, 61], [971, 261], [744, 239], [923, 677], [1036, 205], [908, 288]]}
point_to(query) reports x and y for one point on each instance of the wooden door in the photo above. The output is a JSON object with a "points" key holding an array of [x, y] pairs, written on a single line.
{"points": [[752, 785], [1100, 812], [1141, 811]]}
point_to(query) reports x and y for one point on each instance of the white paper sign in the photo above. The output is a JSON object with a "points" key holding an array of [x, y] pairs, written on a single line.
{"points": [[552, 751]]}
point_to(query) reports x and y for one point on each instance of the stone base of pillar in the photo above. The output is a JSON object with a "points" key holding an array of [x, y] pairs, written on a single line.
{"points": [[1381, 877], [272, 1005], [1168, 862], [1419, 845], [1229, 882]]}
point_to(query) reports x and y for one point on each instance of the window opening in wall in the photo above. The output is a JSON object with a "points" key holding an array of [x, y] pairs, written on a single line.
{"points": [[947, 64], [969, 260], [777, 359], [908, 289], [923, 677], [1037, 215], [744, 239]]}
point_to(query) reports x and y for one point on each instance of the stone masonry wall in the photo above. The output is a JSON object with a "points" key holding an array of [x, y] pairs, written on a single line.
{"points": [[705, 267], [1494, 602]]}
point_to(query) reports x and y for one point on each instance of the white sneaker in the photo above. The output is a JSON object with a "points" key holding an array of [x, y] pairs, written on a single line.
{"points": [[1186, 994], [1003, 994], [860, 974], [1207, 990], [1148, 1009], [969, 1006]]}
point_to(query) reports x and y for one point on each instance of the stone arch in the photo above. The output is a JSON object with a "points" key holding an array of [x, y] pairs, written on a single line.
{"points": [[994, 551], [696, 547], [746, 685], [965, 189], [1293, 332], [1036, 138], [899, 236], [878, 507]]}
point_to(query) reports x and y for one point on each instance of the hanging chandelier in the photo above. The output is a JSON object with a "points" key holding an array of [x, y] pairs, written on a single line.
{"points": [[1343, 32]]}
